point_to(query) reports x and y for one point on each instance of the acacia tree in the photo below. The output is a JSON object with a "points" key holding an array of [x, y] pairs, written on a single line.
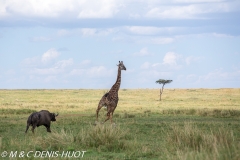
{"points": [[163, 82]]}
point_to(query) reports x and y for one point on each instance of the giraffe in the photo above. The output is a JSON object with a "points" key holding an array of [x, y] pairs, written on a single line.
{"points": [[110, 99]]}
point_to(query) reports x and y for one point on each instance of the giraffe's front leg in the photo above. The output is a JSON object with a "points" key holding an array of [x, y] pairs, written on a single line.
{"points": [[109, 112]]}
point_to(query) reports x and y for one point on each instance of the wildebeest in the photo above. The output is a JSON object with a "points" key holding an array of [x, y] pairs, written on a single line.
{"points": [[37, 119]]}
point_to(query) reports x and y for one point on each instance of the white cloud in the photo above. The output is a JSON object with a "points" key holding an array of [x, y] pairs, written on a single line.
{"points": [[50, 79], [162, 40], [38, 61], [10, 72], [64, 63], [59, 9], [134, 34], [57, 68], [170, 63], [40, 39], [35, 8], [95, 71], [197, 1], [31, 62], [85, 62], [97, 32], [189, 9], [88, 31], [142, 30], [217, 78], [3, 9], [192, 78], [173, 12], [192, 59], [85, 32], [146, 40], [44, 65], [151, 74], [50, 55], [99, 9], [143, 52], [122, 34], [148, 65], [170, 58], [15, 80], [220, 75], [63, 32], [151, 30], [219, 35], [145, 65], [85, 9]]}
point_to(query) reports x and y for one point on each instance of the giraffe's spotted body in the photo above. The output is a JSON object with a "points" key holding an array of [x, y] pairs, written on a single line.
{"points": [[110, 99]]}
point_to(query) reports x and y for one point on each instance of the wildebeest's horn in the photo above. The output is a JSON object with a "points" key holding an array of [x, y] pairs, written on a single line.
{"points": [[56, 114]]}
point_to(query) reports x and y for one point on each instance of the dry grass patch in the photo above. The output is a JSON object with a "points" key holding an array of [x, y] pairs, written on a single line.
{"points": [[130, 100], [216, 144], [105, 137]]}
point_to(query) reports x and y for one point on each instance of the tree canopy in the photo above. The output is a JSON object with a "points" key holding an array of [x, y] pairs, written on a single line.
{"points": [[163, 81]]}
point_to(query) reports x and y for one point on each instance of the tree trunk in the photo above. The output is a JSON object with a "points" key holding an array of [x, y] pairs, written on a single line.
{"points": [[161, 91], [160, 95]]}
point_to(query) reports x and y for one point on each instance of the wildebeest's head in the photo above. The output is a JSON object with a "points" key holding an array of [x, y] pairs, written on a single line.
{"points": [[53, 115]]}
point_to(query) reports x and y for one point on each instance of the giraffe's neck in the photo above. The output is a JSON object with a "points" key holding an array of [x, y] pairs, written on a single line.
{"points": [[117, 84]]}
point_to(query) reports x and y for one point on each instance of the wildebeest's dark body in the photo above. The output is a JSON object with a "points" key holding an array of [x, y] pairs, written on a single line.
{"points": [[37, 119]]}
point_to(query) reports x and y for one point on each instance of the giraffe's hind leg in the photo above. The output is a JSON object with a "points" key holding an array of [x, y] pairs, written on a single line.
{"points": [[101, 103], [110, 114], [97, 111]]}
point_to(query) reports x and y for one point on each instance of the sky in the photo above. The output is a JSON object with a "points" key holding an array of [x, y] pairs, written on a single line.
{"points": [[77, 44]]}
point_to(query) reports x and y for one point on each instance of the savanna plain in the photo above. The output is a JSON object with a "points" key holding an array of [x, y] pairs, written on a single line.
{"points": [[185, 124]]}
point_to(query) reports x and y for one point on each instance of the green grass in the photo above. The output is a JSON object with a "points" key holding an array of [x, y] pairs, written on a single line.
{"points": [[186, 124]]}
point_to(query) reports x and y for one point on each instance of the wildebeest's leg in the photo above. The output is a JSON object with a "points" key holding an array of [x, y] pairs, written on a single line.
{"points": [[27, 128], [48, 127], [33, 127]]}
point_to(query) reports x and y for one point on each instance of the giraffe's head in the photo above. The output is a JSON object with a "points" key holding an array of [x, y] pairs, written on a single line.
{"points": [[121, 65]]}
